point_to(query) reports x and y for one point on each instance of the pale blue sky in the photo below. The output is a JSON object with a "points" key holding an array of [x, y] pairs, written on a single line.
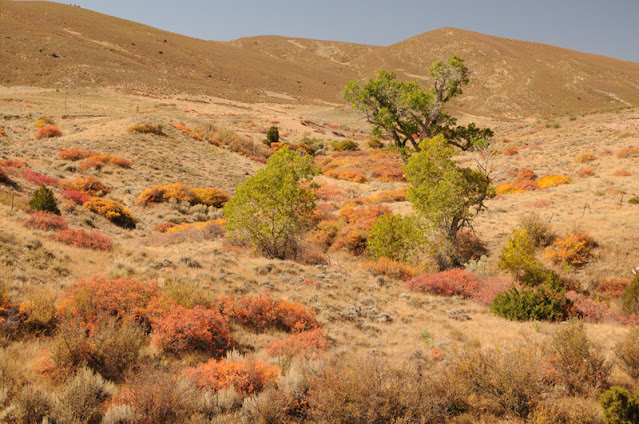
{"points": [[608, 27]]}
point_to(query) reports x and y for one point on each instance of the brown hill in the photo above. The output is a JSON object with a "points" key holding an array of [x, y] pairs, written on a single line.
{"points": [[55, 45]]}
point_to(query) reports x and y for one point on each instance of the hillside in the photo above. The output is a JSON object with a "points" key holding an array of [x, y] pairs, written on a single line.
{"points": [[53, 45]]}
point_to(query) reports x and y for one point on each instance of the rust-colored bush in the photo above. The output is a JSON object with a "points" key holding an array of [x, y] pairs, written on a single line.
{"points": [[306, 345], [99, 161], [330, 192], [48, 131], [76, 154], [612, 287], [188, 131], [45, 221], [81, 238], [183, 330], [111, 210], [146, 128], [248, 377], [38, 178], [586, 172], [353, 234], [526, 174], [390, 196], [78, 197], [389, 172], [573, 249], [453, 282], [585, 157], [89, 185], [552, 180], [627, 152], [12, 163], [162, 228], [622, 173], [353, 176], [392, 269], [510, 151], [526, 185]]}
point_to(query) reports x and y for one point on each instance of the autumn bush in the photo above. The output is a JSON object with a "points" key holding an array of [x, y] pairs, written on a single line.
{"points": [[100, 160], [622, 173], [510, 150], [180, 330], [76, 196], [627, 353], [452, 282], [305, 345], [3, 133], [38, 178], [246, 376], [77, 154], [612, 287], [343, 145], [4, 177], [45, 221], [508, 189], [390, 268], [81, 238], [585, 157], [211, 196], [627, 152], [111, 210], [391, 171], [43, 121], [89, 185], [183, 193], [186, 130], [552, 180], [355, 227], [354, 176], [586, 172], [146, 128], [261, 312], [48, 131], [572, 250]]}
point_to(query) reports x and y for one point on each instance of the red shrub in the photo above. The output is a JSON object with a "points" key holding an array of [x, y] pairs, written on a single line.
{"points": [[182, 330], [528, 185], [75, 196], [353, 236], [389, 172], [526, 174], [125, 298], [488, 288], [13, 164], [307, 344], [37, 178], [613, 288], [48, 131], [446, 283], [45, 221], [76, 154], [81, 238], [329, 192], [510, 151], [586, 172], [248, 377], [262, 311], [588, 309]]}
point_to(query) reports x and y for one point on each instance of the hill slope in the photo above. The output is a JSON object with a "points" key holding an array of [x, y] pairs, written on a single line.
{"points": [[55, 45]]}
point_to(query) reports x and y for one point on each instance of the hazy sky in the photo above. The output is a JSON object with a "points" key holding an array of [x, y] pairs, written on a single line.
{"points": [[608, 27]]}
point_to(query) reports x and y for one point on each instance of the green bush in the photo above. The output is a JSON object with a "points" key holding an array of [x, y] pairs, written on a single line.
{"points": [[519, 254], [393, 237], [43, 200], [340, 146], [272, 136], [546, 301], [619, 406], [271, 209], [630, 298]]}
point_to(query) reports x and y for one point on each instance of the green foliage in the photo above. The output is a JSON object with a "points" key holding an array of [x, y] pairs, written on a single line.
{"points": [[272, 136], [43, 200], [408, 114], [446, 195], [393, 237], [518, 254], [271, 208], [340, 146], [546, 301], [619, 406], [634, 200], [630, 298]]}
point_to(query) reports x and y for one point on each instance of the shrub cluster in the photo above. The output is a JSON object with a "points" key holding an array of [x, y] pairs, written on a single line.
{"points": [[552, 180], [48, 131], [186, 130], [89, 185], [146, 128], [572, 250], [111, 210], [306, 345], [390, 268], [45, 221], [77, 154], [84, 239], [38, 178], [183, 193], [383, 165], [75, 196], [99, 161]]}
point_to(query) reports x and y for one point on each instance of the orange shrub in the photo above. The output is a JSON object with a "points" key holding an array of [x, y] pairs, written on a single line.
{"points": [[585, 157], [111, 210], [45, 221], [390, 196], [446, 283], [627, 152], [574, 249], [183, 330], [211, 196], [392, 269], [526, 174], [3, 133], [508, 189], [98, 161], [89, 185], [308, 344], [552, 180], [125, 298], [389, 172], [162, 228], [48, 131], [586, 172], [510, 151], [260, 312], [248, 377], [76, 154], [184, 193], [526, 185], [146, 128], [13, 163], [353, 235], [622, 173], [188, 131], [353, 176], [330, 192], [613, 287], [81, 238]]}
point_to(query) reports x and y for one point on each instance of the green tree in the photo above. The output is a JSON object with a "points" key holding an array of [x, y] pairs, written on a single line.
{"points": [[272, 136], [272, 208], [448, 196], [407, 114], [43, 200], [393, 237], [620, 406]]}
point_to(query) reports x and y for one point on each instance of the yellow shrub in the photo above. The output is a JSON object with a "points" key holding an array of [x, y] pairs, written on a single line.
{"points": [[552, 180], [111, 210], [211, 196], [585, 157], [508, 189]]}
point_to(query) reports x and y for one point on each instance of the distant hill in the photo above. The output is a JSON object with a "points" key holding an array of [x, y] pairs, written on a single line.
{"points": [[55, 45]]}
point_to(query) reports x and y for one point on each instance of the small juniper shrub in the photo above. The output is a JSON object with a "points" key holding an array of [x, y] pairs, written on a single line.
{"points": [[573, 250], [84, 239], [146, 128], [111, 210], [576, 363], [186, 130], [182, 330], [627, 353], [633, 200], [619, 406], [45, 221], [272, 136], [246, 376], [552, 180], [44, 200], [89, 185], [391, 268], [48, 131]]}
